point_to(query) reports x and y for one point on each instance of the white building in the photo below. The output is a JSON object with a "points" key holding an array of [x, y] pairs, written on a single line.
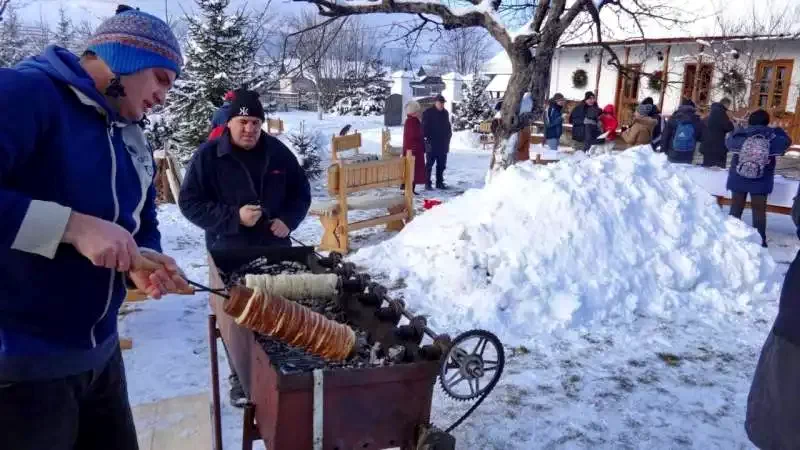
{"points": [[768, 68]]}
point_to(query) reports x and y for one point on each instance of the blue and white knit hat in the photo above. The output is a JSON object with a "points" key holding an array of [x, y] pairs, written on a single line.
{"points": [[131, 41]]}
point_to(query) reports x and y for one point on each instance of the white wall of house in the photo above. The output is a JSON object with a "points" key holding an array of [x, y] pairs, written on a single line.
{"points": [[569, 59]]}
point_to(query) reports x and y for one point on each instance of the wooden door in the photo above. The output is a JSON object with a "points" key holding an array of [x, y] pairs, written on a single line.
{"points": [[770, 88], [627, 93]]}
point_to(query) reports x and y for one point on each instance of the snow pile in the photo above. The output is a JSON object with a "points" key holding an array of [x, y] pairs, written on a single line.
{"points": [[598, 241]]}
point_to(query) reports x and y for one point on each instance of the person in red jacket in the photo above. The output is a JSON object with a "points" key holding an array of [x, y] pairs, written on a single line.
{"points": [[414, 142], [609, 123]]}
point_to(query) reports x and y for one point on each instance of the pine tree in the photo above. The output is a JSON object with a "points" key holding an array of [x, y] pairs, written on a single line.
{"points": [[365, 95], [14, 45], [157, 133], [64, 30], [306, 147], [220, 56], [476, 106]]}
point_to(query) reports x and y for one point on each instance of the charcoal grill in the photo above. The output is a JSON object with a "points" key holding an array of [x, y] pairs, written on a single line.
{"points": [[297, 401]]}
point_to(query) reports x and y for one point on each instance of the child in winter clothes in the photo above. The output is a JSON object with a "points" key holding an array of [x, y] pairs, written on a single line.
{"points": [[641, 132], [554, 121], [753, 167], [609, 123]]}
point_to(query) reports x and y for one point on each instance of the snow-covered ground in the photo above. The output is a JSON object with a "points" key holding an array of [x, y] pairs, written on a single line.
{"points": [[628, 378]]}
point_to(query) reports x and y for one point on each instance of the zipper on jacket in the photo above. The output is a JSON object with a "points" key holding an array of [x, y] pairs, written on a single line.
{"points": [[112, 278]]}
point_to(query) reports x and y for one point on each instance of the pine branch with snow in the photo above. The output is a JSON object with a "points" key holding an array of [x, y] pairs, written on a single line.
{"points": [[14, 44], [221, 55], [306, 146], [476, 106], [365, 95]]}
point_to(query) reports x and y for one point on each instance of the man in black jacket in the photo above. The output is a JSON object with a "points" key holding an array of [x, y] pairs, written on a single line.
{"points": [[245, 189], [584, 120], [718, 124], [682, 133], [437, 131]]}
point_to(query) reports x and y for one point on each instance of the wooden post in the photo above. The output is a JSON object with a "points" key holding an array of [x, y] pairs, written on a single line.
{"points": [[597, 77], [664, 80]]}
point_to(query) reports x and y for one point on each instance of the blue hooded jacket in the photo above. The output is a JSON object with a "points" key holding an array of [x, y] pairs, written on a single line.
{"points": [[779, 141], [220, 116], [63, 149]]}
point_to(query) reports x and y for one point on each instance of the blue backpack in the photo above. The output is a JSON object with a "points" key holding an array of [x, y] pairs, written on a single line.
{"points": [[684, 140]]}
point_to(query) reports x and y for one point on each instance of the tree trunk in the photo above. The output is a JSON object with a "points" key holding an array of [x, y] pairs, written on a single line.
{"points": [[529, 74]]}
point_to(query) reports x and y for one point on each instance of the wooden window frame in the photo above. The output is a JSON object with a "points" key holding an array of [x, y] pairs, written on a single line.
{"points": [[754, 86]]}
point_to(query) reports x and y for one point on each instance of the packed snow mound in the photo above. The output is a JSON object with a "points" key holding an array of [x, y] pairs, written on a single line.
{"points": [[595, 241]]}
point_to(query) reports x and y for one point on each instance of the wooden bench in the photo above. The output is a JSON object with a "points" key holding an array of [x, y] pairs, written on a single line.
{"points": [[346, 179], [388, 150], [180, 423], [274, 127]]}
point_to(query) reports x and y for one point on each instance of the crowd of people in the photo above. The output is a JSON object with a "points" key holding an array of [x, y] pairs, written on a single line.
{"points": [[80, 221]]}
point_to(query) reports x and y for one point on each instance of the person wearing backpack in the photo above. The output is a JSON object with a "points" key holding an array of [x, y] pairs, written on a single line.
{"points": [[684, 130], [752, 168], [773, 403]]}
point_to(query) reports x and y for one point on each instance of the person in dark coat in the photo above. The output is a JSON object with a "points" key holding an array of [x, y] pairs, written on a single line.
{"points": [[752, 168], [682, 133], [245, 189], [554, 121], [655, 113], [773, 403], [438, 131], [718, 124], [585, 125], [414, 142], [79, 224]]}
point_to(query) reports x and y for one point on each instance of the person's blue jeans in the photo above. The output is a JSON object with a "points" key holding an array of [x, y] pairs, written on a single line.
{"points": [[552, 144]]}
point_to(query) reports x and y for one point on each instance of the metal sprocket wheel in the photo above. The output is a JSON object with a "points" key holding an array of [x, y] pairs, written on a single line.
{"points": [[472, 366]]}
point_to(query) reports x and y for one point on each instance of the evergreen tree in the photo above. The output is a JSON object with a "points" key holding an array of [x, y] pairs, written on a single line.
{"points": [[365, 95], [157, 133], [476, 106], [220, 56], [14, 46], [306, 147], [64, 30]]}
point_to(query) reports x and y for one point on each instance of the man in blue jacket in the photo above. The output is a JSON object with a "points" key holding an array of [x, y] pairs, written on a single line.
{"points": [[79, 220], [752, 168]]}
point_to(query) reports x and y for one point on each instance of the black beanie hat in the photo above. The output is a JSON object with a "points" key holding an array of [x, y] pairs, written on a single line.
{"points": [[589, 94], [246, 103], [758, 117]]}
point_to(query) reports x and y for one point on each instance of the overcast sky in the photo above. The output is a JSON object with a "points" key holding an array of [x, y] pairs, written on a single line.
{"points": [[704, 10]]}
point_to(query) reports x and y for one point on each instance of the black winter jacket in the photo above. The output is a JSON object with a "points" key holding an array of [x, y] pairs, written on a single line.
{"points": [[682, 114], [718, 124], [217, 185], [437, 130], [585, 127]]}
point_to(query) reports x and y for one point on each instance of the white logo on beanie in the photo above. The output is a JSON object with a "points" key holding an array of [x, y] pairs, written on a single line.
{"points": [[243, 111]]}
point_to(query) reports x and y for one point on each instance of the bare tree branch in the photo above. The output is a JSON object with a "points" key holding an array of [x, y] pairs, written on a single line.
{"points": [[3, 6]]}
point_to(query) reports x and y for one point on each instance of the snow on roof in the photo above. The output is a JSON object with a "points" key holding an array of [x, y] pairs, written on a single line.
{"points": [[453, 76], [500, 63], [499, 83], [403, 74]]}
